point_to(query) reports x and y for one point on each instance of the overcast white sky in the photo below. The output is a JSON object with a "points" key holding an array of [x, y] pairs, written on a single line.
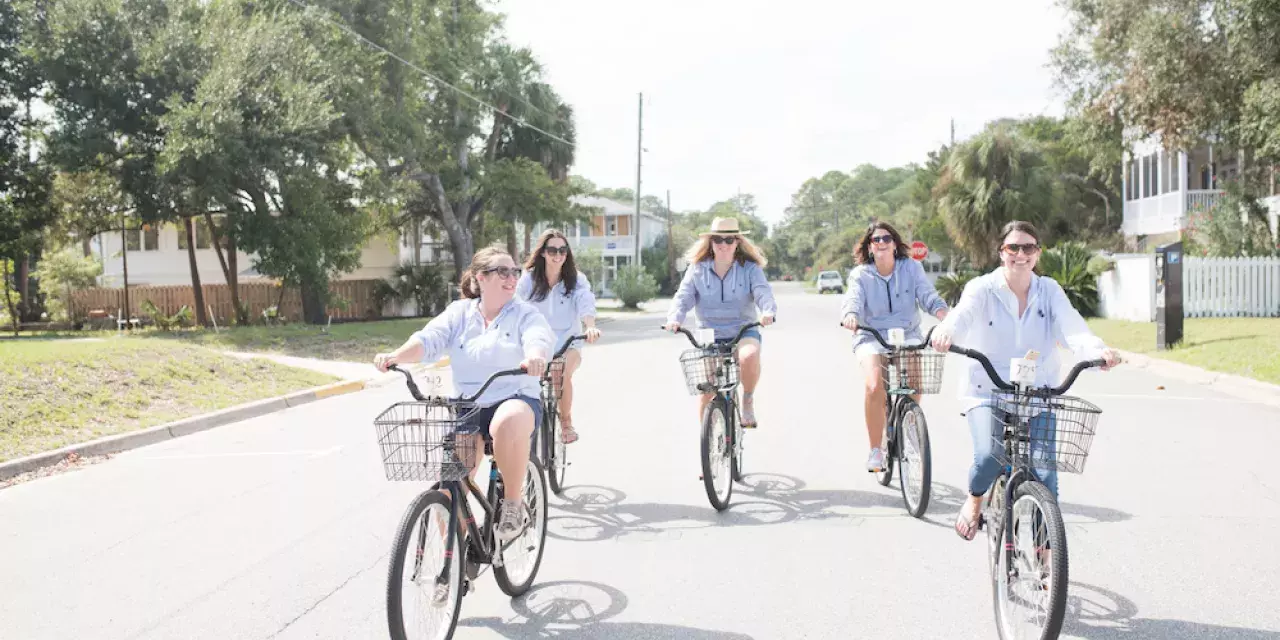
{"points": [[760, 96]]}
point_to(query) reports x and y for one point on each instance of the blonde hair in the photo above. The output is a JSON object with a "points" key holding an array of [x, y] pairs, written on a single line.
{"points": [[481, 260], [743, 252]]}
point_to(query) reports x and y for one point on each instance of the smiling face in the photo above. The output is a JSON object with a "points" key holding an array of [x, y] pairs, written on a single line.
{"points": [[724, 247], [1019, 252], [556, 251], [882, 245], [498, 280]]}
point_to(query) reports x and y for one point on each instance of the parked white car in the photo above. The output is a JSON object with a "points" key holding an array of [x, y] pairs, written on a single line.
{"points": [[830, 281]]}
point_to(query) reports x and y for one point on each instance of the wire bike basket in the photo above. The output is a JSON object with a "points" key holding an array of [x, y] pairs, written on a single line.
{"points": [[923, 369], [555, 376], [1054, 432], [419, 441], [709, 369]]}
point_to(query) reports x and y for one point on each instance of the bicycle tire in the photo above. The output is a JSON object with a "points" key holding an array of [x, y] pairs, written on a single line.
{"points": [[395, 570], [501, 574], [714, 408], [736, 463], [556, 453], [916, 506], [885, 475], [1057, 538]]}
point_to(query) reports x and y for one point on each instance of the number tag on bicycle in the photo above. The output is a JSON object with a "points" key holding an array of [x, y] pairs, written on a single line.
{"points": [[1022, 371], [704, 336], [897, 337], [431, 384]]}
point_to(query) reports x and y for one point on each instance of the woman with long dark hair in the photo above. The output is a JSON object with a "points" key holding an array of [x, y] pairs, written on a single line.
{"points": [[552, 283], [883, 293]]}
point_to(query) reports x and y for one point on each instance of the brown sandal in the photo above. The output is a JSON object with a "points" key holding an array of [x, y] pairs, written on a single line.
{"points": [[568, 435]]}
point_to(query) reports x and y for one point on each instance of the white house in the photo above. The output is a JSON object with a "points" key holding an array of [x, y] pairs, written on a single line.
{"points": [[1162, 188], [612, 233]]}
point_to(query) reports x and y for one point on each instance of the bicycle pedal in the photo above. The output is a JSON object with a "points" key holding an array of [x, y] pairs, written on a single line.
{"points": [[467, 587]]}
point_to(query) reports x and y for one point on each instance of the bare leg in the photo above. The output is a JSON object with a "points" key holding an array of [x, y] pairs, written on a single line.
{"points": [[572, 360], [749, 359], [873, 398], [511, 429]]}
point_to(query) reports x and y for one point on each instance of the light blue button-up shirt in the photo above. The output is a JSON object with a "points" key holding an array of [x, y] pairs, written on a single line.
{"points": [[884, 304], [563, 312], [476, 352], [986, 320], [723, 304]]}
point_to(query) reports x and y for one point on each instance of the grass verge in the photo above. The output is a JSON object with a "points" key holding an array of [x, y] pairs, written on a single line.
{"points": [[59, 392], [1241, 346]]}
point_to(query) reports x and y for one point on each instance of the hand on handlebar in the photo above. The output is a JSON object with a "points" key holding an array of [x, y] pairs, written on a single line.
{"points": [[850, 322], [673, 327], [592, 334], [384, 360], [1111, 357], [766, 320], [534, 366], [941, 339]]}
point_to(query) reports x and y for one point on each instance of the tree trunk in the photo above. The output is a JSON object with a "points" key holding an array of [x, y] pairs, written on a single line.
{"points": [[417, 242], [511, 241], [528, 240], [313, 311], [202, 316], [229, 269], [84, 246], [8, 296], [25, 308]]}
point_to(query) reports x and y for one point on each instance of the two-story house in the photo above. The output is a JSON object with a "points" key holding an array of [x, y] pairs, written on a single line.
{"points": [[612, 232], [1163, 188]]}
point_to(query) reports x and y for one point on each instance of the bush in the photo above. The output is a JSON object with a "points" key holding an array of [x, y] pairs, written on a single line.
{"points": [[951, 285], [1099, 265], [1068, 264], [634, 286]]}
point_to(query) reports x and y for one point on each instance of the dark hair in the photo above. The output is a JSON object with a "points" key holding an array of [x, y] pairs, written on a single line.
{"points": [[480, 261], [1017, 225], [537, 265], [861, 253]]}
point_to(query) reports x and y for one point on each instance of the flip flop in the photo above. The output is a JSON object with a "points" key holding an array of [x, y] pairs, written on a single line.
{"points": [[568, 435], [964, 525]]}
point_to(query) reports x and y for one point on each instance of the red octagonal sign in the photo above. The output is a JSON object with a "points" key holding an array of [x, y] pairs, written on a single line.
{"points": [[919, 250]]}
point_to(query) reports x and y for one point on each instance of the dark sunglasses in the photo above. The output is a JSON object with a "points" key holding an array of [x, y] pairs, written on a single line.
{"points": [[882, 239], [564, 250], [724, 239], [1029, 249], [503, 272]]}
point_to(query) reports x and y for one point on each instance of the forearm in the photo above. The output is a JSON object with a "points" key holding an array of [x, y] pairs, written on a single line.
{"points": [[411, 351]]}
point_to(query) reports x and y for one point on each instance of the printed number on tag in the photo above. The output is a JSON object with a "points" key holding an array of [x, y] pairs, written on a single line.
{"points": [[704, 336], [897, 337], [432, 383], [1022, 371]]}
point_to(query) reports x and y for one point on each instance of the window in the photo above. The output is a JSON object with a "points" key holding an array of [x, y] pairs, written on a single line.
{"points": [[203, 238], [150, 238], [612, 226], [133, 240]]}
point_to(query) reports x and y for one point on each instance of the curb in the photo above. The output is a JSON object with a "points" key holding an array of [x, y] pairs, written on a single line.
{"points": [[196, 424], [1231, 384]]}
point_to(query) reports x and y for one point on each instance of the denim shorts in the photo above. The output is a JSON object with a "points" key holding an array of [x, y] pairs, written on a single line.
{"points": [[479, 421], [753, 332]]}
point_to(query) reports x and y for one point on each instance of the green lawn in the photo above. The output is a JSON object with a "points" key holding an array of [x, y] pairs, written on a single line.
{"points": [[59, 392], [352, 341], [1243, 346]]}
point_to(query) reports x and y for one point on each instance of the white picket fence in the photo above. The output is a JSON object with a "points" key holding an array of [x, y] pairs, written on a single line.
{"points": [[1224, 287]]}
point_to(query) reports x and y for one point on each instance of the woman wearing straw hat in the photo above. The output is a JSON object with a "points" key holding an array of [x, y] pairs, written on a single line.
{"points": [[725, 283]]}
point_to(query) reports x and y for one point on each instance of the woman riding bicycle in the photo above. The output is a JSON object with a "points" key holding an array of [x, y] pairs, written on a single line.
{"points": [[1005, 314], [552, 283], [486, 332], [725, 283], [883, 292]]}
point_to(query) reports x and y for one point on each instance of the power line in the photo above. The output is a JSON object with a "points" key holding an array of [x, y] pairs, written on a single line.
{"points": [[518, 121]]}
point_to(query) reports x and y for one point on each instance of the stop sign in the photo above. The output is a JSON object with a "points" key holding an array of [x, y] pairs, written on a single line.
{"points": [[919, 250]]}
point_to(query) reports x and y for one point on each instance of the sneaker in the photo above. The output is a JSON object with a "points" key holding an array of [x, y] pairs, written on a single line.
{"points": [[511, 521], [748, 411], [875, 461]]}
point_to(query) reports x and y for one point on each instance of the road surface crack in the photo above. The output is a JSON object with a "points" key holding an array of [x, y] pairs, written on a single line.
{"points": [[326, 596]]}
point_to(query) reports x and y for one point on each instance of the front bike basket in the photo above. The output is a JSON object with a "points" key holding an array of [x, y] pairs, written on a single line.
{"points": [[555, 371], [709, 369], [921, 368], [420, 442], [1053, 432]]}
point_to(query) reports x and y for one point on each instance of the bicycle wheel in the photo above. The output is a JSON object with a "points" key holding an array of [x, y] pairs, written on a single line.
{"points": [[1030, 597], [717, 455], [885, 475], [738, 445], [523, 556], [915, 463], [418, 570], [557, 453]]}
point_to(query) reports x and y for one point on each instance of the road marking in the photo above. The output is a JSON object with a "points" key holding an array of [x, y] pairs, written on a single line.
{"points": [[339, 388], [311, 453], [1140, 396]]}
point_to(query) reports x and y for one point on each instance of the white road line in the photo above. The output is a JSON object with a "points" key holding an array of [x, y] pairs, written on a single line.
{"points": [[311, 453]]}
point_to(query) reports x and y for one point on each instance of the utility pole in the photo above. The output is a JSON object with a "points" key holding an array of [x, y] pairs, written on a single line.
{"points": [[639, 159], [124, 257], [671, 246], [953, 132]]}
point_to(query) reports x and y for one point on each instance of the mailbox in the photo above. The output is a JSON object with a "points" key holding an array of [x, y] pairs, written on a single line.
{"points": [[1168, 295]]}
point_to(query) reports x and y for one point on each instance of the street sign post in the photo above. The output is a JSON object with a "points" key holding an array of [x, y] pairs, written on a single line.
{"points": [[919, 250]]}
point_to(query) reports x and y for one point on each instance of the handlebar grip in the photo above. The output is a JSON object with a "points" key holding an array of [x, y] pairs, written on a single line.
{"points": [[986, 364]]}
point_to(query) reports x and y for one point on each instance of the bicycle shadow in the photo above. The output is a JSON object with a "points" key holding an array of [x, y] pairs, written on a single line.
{"points": [[591, 513], [577, 609], [1095, 612]]}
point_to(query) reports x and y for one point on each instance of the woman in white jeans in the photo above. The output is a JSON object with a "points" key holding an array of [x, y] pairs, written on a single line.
{"points": [[1003, 315]]}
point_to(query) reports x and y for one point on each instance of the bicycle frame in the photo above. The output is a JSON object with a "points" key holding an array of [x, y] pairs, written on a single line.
{"points": [[550, 404], [729, 396]]}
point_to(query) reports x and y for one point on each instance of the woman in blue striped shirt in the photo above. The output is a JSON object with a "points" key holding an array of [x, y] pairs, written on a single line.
{"points": [[883, 292], [553, 284]]}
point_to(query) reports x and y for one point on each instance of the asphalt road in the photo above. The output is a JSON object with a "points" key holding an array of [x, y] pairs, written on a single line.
{"points": [[280, 527]]}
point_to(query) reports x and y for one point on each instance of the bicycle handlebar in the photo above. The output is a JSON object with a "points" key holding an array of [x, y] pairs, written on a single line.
{"points": [[909, 347], [1050, 391], [417, 394], [692, 341], [567, 344]]}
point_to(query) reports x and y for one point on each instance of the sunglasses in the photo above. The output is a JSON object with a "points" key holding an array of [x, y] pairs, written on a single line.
{"points": [[550, 250], [1029, 249], [724, 239], [882, 239], [503, 272]]}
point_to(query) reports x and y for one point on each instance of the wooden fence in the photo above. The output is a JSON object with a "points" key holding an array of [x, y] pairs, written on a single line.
{"points": [[1224, 287], [257, 296]]}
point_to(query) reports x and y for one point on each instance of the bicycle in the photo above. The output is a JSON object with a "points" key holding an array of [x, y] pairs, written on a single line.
{"points": [[419, 442], [1038, 428], [908, 370], [713, 368], [554, 451]]}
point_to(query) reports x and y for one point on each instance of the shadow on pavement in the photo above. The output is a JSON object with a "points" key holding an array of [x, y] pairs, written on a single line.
{"points": [[572, 609], [1094, 612], [589, 513]]}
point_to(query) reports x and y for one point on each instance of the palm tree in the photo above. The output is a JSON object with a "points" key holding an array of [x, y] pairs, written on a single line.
{"points": [[989, 180]]}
